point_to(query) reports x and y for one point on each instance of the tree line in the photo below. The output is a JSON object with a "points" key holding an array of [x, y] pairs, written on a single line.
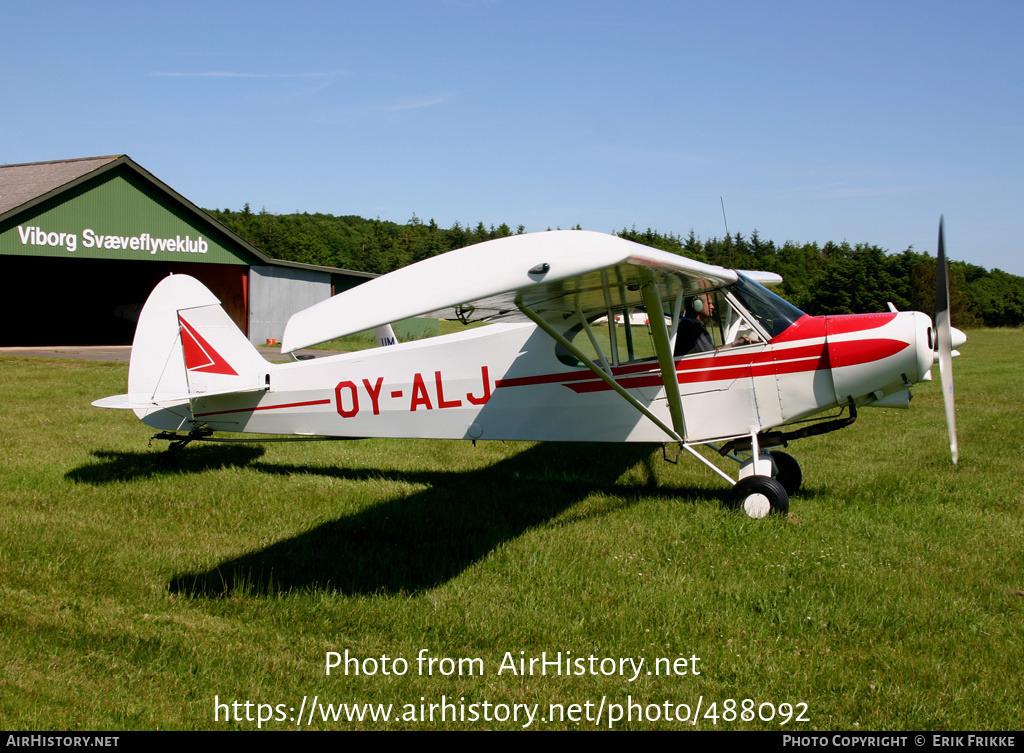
{"points": [[833, 278]]}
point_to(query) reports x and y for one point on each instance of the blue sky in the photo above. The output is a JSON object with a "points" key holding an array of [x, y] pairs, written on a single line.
{"points": [[812, 121]]}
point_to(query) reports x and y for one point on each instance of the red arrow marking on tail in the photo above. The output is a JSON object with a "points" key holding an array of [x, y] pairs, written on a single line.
{"points": [[199, 354]]}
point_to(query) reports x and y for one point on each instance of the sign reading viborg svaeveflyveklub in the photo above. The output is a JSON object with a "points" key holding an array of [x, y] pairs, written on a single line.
{"points": [[36, 236], [118, 216]]}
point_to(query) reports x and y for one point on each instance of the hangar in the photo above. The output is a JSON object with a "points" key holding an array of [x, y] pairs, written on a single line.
{"points": [[83, 241]]}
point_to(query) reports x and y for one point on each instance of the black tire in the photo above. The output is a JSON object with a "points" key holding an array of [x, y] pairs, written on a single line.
{"points": [[759, 497], [789, 473]]}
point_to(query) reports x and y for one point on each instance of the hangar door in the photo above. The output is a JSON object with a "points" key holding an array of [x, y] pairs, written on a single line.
{"points": [[96, 301]]}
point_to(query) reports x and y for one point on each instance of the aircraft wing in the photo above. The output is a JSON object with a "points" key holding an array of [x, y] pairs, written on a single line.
{"points": [[554, 273]]}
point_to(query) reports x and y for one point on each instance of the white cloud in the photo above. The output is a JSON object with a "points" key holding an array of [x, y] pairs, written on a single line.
{"points": [[357, 110], [412, 104], [233, 74]]}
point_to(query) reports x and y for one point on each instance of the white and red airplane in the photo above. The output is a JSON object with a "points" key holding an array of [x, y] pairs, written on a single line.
{"points": [[720, 360]]}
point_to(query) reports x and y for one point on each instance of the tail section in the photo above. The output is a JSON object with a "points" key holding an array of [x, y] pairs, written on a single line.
{"points": [[385, 335], [186, 347]]}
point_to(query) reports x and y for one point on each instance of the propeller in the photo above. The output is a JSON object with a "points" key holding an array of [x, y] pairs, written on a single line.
{"points": [[945, 332]]}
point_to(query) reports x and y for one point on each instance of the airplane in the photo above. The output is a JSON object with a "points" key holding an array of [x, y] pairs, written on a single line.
{"points": [[718, 362]]}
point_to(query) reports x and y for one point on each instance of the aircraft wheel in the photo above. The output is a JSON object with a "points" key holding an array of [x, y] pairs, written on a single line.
{"points": [[789, 475], [760, 496]]}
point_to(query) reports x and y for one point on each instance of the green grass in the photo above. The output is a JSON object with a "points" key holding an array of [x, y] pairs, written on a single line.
{"points": [[366, 339], [133, 593]]}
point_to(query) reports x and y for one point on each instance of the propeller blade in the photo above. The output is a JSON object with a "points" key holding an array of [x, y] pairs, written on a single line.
{"points": [[945, 332]]}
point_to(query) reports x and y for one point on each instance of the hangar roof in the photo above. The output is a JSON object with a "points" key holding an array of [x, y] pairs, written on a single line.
{"points": [[23, 186], [20, 184]]}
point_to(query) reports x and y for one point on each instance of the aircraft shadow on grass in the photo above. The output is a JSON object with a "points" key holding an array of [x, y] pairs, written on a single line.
{"points": [[413, 543], [134, 466]]}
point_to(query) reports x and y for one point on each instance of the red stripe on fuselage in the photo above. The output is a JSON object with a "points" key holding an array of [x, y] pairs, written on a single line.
{"points": [[804, 328], [846, 324], [856, 352], [262, 407], [796, 360], [811, 327], [727, 367]]}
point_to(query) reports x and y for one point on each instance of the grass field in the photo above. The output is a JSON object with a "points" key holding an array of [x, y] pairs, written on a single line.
{"points": [[134, 595]]}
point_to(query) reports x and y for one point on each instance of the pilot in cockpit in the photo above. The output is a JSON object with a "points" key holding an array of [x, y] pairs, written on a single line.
{"points": [[692, 335]]}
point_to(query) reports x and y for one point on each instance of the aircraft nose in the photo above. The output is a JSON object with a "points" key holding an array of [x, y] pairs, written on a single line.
{"points": [[959, 338]]}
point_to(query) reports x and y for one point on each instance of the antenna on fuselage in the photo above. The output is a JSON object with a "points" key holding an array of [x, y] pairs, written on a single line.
{"points": [[726, 221]]}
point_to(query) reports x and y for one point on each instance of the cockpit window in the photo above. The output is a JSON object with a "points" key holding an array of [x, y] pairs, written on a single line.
{"points": [[711, 322], [773, 313], [624, 339], [707, 322]]}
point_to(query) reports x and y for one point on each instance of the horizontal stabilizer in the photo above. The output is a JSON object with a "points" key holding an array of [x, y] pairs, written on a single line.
{"points": [[120, 402], [166, 401]]}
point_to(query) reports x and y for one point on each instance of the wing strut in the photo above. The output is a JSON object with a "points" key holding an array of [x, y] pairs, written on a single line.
{"points": [[663, 347], [598, 371], [605, 365]]}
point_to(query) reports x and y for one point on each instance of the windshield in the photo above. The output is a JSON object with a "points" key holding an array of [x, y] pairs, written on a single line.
{"points": [[773, 313]]}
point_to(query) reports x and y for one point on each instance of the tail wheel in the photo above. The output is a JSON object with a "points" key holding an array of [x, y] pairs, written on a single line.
{"points": [[760, 496], [789, 473]]}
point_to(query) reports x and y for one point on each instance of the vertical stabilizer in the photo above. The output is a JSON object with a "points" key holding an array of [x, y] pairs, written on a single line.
{"points": [[187, 346]]}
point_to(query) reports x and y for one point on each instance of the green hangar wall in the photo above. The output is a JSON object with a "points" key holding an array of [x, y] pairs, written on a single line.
{"points": [[83, 242]]}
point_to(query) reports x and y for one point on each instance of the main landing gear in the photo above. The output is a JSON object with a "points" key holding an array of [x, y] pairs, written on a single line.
{"points": [[765, 484], [759, 496], [787, 471], [768, 478]]}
